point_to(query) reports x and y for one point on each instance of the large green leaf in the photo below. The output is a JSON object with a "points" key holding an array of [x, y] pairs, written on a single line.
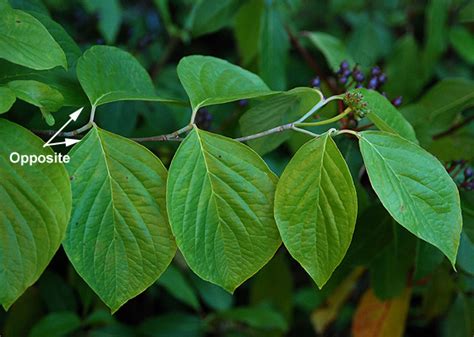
{"points": [[56, 324], [108, 74], [276, 110], [110, 17], [220, 202], [248, 20], [463, 42], [385, 116], [36, 204], [209, 80], [415, 189], [25, 41], [118, 238], [7, 99], [332, 48], [316, 207]]}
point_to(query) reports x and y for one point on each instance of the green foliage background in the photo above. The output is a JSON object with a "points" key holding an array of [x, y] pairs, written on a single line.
{"points": [[426, 48]]}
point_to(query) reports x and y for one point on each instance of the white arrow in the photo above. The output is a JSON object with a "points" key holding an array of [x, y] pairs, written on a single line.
{"points": [[72, 118], [67, 142]]}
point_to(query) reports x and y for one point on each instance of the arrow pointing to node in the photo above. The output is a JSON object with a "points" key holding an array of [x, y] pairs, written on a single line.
{"points": [[72, 118], [67, 142]]}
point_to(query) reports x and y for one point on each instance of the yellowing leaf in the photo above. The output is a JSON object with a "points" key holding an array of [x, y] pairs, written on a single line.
{"points": [[375, 318]]}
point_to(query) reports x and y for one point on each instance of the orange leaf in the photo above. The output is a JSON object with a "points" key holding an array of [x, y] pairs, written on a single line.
{"points": [[375, 318]]}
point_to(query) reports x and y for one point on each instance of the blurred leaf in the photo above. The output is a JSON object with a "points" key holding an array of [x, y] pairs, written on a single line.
{"points": [[110, 17], [29, 5], [209, 80], [465, 260], [373, 232], [403, 71], [57, 324], [333, 49], [274, 111], [120, 117], [401, 174], [26, 311], [7, 99], [274, 285], [209, 16], [385, 116], [439, 107], [466, 14], [458, 322], [428, 258], [109, 74], [390, 269], [436, 32], [175, 283], [256, 317], [325, 315], [438, 294], [215, 297], [274, 47], [25, 41], [467, 204], [462, 41], [56, 293], [115, 330], [369, 41], [172, 325], [248, 20], [456, 145], [375, 318]]}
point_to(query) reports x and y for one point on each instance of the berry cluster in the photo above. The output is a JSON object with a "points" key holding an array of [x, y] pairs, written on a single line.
{"points": [[462, 174], [355, 78], [355, 101], [203, 119]]}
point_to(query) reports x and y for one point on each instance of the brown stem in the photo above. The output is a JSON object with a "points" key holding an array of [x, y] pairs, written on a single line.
{"points": [[454, 128]]}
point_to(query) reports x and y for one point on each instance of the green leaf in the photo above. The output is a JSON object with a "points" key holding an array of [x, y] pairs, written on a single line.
{"points": [[176, 284], [248, 20], [458, 319], [65, 41], [257, 317], [466, 13], [415, 189], [463, 42], [40, 95], [209, 16], [118, 238], [466, 254], [436, 30], [332, 48], [25, 41], [220, 202], [209, 80], [109, 74], [274, 111], [172, 325], [57, 324], [110, 17], [274, 47], [316, 207], [36, 204], [214, 296], [385, 116], [7, 99]]}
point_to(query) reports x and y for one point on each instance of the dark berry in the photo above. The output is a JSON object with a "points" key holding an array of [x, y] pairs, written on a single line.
{"points": [[359, 85], [373, 83], [344, 65], [100, 41], [382, 78], [343, 80], [358, 76], [468, 173], [470, 186], [203, 119], [397, 101], [375, 71], [316, 82], [243, 103]]}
